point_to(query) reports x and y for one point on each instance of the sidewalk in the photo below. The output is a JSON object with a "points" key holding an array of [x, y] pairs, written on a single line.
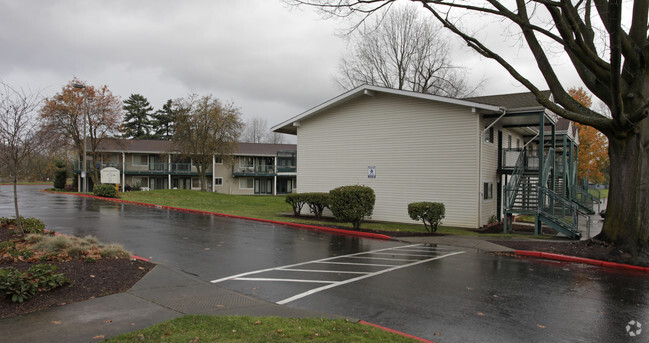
{"points": [[161, 295]]}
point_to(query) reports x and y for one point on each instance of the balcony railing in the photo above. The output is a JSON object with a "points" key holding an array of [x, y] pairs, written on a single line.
{"points": [[253, 170], [510, 157]]}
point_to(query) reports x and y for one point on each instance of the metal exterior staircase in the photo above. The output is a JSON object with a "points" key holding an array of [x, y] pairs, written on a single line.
{"points": [[524, 194]]}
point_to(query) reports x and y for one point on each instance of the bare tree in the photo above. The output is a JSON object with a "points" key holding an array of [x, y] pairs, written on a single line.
{"points": [[256, 131], [610, 56], [64, 114], [206, 128], [402, 51], [19, 134]]}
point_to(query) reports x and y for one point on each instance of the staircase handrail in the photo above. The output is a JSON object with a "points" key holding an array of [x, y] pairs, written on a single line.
{"points": [[547, 166], [566, 207], [512, 186], [584, 198]]}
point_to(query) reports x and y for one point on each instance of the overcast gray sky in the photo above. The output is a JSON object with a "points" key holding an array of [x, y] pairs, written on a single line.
{"points": [[272, 61]]}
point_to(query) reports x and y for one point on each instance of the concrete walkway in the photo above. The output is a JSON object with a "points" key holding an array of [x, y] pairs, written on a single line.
{"points": [[161, 295]]}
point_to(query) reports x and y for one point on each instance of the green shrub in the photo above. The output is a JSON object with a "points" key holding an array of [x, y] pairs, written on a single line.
{"points": [[60, 174], [316, 202], [30, 224], [431, 213], [352, 203], [105, 190], [297, 202], [20, 286]]}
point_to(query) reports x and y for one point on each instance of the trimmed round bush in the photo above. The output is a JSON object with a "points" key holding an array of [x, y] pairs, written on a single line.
{"points": [[352, 203], [431, 213], [296, 201], [105, 190], [316, 202]]}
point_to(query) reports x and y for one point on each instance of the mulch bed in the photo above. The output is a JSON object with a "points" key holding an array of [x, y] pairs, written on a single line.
{"points": [[88, 280], [591, 248]]}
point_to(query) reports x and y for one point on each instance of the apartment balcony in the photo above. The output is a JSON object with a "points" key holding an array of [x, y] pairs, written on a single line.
{"points": [[259, 170], [286, 169]]}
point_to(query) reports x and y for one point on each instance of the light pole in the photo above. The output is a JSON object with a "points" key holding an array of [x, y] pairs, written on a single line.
{"points": [[84, 174]]}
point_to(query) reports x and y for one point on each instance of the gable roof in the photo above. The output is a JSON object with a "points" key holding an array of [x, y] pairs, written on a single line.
{"points": [[514, 102], [288, 125]]}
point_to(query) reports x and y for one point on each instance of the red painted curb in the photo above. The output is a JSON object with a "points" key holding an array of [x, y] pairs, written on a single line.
{"points": [[565, 258], [395, 331], [301, 226]]}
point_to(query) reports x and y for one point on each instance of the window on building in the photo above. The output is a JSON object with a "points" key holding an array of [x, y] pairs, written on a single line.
{"points": [[218, 181], [489, 135], [218, 160], [518, 143], [140, 160], [246, 183], [509, 142], [196, 183], [488, 191]]}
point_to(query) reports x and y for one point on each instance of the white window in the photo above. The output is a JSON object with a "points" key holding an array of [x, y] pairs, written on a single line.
{"points": [[218, 160], [218, 181], [246, 183], [196, 182], [140, 160]]}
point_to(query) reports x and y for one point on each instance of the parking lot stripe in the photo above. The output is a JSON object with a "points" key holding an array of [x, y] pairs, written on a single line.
{"points": [[356, 264], [384, 258], [340, 283], [323, 271], [300, 264], [285, 280]]}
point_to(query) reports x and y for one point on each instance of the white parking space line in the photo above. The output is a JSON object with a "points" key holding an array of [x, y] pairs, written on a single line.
{"points": [[426, 253], [298, 264], [356, 264], [383, 258], [284, 280], [323, 271], [340, 283]]}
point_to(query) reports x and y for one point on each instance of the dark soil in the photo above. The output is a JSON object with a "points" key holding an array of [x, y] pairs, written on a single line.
{"points": [[591, 248], [88, 280]]}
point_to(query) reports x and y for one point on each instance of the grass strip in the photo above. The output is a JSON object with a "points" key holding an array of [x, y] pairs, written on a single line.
{"points": [[268, 207], [203, 328]]}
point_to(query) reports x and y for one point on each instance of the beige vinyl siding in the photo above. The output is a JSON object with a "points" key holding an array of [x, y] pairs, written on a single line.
{"points": [[422, 150], [489, 160]]}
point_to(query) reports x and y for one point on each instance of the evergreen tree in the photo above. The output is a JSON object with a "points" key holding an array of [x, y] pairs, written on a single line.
{"points": [[163, 121], [137, 123]]}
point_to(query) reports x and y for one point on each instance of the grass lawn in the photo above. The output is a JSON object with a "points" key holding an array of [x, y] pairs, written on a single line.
{"points": [[259, 329], [265, 207]]}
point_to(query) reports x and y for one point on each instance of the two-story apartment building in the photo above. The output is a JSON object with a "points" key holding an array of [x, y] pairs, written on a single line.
{"points": [[155, 164], [412, 147]]}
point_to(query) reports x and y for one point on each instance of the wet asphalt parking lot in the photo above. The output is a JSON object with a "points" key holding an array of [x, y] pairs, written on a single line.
{"points": [[441, 293]]}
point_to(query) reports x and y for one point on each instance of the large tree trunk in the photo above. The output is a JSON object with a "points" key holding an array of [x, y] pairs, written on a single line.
{"points": [[627, 214]]}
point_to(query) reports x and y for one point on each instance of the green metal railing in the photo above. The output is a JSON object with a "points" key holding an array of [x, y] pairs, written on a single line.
{"points": [[562, 212], [513, 186]]}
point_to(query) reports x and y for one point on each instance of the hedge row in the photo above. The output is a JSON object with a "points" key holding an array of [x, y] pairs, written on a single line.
{"points": [[355, 203]]}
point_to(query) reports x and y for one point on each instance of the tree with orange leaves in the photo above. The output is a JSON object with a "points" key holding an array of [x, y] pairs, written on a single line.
{"points": [[64, 114], [593, 145]]}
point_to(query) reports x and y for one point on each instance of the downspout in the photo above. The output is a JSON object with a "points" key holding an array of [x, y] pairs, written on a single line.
{"points": [[123, 171], [480, 142]]}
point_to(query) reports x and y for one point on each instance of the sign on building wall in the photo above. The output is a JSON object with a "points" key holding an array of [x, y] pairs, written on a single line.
{"points": [[110, 175], [371, 172]]}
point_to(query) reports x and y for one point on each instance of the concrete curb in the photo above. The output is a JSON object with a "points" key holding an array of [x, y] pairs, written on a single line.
{"points": [[565, 258], [296, 225]]}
